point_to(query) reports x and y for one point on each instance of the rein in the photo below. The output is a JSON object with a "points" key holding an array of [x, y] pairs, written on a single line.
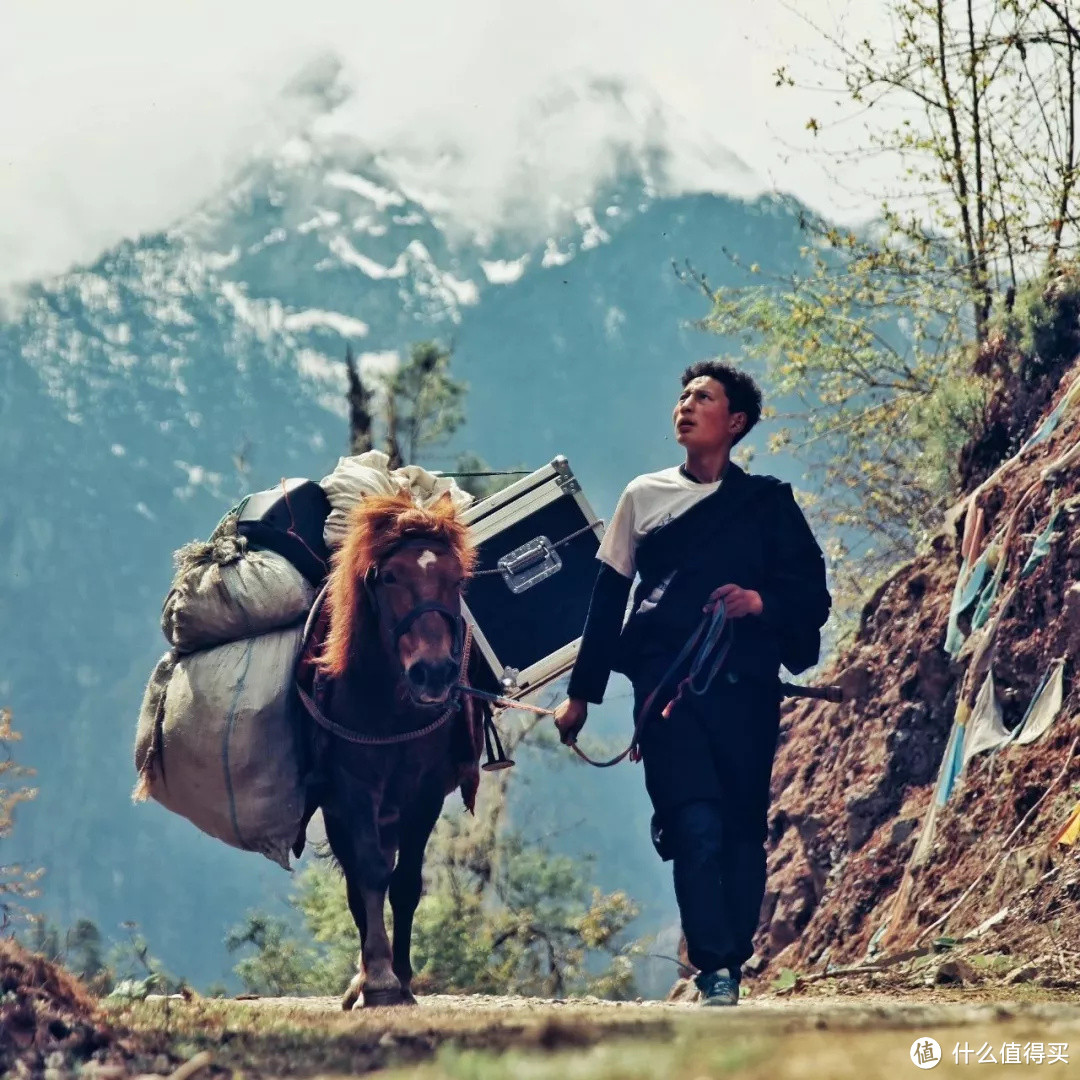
{"points": [[347, 734], [707, 639], [709, 645], [506, 703]]}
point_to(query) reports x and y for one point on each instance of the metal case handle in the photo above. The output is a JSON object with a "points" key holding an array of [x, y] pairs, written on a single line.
{"points": [[529, 564]]}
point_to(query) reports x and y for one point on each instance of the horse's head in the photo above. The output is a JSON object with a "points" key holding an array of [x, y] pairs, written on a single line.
{"points": [[416, 591], [404, 567]]}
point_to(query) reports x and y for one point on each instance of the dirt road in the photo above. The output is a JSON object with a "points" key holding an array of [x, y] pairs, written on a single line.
{"points": [[483, 1038]]}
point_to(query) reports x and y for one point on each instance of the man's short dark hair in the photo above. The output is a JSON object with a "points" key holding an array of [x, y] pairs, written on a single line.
{"points": [[742, 392]]}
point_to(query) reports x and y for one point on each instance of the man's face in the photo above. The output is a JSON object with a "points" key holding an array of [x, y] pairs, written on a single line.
{"points": [[702, 418]]}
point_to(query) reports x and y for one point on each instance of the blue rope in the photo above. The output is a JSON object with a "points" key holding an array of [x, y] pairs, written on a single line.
{"points": [[718, 637], [713, 636]]}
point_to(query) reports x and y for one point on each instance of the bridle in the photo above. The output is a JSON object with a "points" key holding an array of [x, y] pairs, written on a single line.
{"points": [[461, 644], [404, 624]]}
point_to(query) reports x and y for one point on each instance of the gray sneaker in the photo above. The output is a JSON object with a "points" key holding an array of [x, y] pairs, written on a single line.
{"points": [[718, 988]]}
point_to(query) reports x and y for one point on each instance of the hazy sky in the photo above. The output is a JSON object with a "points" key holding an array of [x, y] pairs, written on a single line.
{"points": [[117, 116]]}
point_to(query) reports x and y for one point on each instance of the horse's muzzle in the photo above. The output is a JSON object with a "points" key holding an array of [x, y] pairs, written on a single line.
{"points": [[430, 682]]}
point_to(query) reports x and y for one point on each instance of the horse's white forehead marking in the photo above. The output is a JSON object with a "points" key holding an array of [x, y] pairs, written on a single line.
{"points": [[426, 558]]}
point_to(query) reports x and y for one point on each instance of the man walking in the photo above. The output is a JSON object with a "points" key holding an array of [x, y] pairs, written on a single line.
{"points": [[697, 534]]}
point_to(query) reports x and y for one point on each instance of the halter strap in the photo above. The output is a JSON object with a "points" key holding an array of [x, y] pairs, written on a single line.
{"points": [[358, 739], [456, 623], [462, 636]]}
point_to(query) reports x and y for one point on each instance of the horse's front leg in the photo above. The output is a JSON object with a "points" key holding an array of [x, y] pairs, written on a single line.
{"points": [[379, 984], [367, 874], [407, 884], [375, 981]]}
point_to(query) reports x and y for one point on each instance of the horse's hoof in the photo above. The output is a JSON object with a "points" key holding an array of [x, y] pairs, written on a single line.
{"points": [[378, 999], [352, 995]]}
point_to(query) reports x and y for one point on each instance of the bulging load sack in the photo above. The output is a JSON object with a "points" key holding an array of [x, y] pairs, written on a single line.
{"points": [[224, 591], [217, 742], [370, 474]]}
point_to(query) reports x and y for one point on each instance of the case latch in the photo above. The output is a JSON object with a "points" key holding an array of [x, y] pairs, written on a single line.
{"points": [[529, 564], [564, 477]]}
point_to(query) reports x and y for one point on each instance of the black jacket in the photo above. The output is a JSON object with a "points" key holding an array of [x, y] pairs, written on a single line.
{"points": [[750, 533]]}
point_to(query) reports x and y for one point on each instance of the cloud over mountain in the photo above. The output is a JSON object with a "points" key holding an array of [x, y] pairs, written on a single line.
{"points": [[126, 116]]}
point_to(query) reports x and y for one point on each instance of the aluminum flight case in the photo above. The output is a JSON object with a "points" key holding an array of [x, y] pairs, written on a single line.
{"points": [[536, 541]]}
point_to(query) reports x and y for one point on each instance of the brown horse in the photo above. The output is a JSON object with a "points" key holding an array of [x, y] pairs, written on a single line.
{"points": [[391, 736]]}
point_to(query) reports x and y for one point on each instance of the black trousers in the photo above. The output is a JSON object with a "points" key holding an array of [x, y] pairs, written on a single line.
{"points": [[707, 770]]}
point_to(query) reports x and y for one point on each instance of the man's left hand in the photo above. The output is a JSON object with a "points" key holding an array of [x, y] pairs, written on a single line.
{"points": [[737, 601]]}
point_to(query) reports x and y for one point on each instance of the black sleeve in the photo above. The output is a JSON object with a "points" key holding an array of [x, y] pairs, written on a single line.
{"points": [[600, 636], [795, 598]]}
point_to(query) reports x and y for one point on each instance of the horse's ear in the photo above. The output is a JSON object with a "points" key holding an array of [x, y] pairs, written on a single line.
{"points": [[443, 506]]}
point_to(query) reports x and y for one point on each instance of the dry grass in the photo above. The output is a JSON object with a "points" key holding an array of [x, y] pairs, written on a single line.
{"points": [[867, 1036], [310, 1038], [710, 1049]]}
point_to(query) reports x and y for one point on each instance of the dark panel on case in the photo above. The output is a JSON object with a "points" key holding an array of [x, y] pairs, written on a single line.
{"points": [[525, 628]]}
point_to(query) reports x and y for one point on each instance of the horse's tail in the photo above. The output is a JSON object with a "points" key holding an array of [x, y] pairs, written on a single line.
{"points": [[141, 791]]}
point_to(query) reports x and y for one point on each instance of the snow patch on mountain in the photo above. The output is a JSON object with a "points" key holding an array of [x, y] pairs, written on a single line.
{"points": [[365, 223], [117, 333], [341, 247], [614, 319], [328, 380], [431, 282], [216, 261], [379, 363], [553, 256], [380, 196], [592, 235], [464, 292], [265, 317], [345, 325], [197, 477], [504, 271], [274, 236], [434, 202], [169, 311], [269, 317], [320, 368], [97, 293], [323, 219]]}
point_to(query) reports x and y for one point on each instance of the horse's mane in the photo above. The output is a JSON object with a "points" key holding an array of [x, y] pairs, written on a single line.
{"points": [[377, 524]]}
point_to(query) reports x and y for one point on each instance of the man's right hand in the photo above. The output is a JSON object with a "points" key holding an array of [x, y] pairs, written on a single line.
{"points": [[570, 718]]}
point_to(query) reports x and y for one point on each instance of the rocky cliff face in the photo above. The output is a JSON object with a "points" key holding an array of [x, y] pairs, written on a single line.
{"points": [[880, 827]]}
